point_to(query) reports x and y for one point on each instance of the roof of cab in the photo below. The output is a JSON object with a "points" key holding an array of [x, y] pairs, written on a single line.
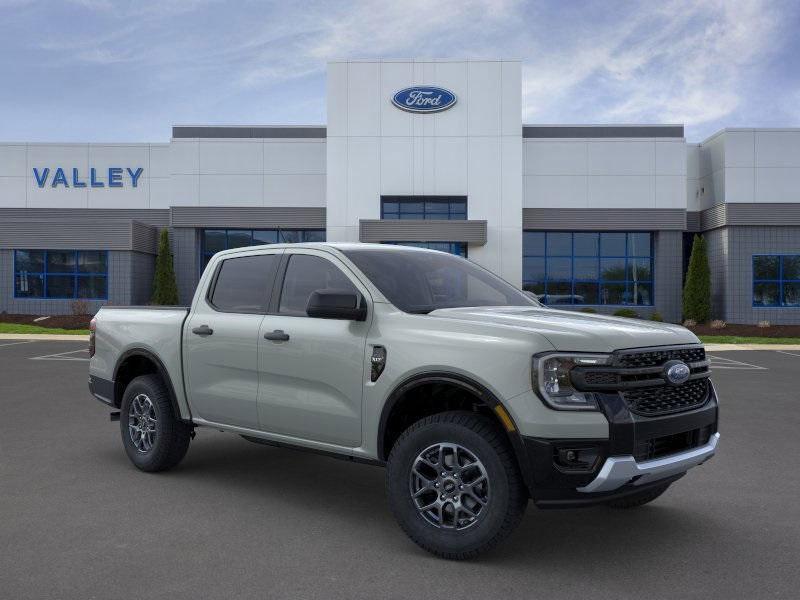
{"points": [[341, 246]]}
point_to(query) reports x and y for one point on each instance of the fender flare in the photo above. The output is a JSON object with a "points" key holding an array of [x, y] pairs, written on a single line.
{"points": [[162, 372], [467, 384]]}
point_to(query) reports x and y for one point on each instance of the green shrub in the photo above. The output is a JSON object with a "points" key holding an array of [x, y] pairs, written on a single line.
{"points": [[626, 312], [165, 288], [588, 309], [656, 316], [697, 290]]}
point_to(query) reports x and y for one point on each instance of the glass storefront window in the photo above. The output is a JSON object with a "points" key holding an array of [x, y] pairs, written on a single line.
{"points": [[776, 280], [457, 248], [589, 267], [448, 208], [217, 240], [61, 274]]}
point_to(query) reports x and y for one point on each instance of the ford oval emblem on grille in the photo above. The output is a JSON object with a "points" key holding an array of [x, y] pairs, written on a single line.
{"points": [[676, 372], [424, 99]]}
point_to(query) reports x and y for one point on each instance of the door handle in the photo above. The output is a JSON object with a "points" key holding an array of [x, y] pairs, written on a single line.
{"points": [[202, 330], [277, 336]]}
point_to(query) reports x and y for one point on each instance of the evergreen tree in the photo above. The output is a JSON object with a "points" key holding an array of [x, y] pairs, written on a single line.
{"points": [[165, 288], [697, 290]]}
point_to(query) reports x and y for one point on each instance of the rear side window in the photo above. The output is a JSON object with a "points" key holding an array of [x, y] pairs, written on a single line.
{"points": [[243, 284], [306, 274]]}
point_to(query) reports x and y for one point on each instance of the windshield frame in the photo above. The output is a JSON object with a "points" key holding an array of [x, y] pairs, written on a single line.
{"points": [[515, 296]]}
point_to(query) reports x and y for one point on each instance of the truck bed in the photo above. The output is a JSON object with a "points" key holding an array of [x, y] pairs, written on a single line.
{"points": [[156, 331]]}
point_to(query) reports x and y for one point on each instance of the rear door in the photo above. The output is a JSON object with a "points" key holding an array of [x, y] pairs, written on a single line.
{"points": [[311, 381], [221, 339]]}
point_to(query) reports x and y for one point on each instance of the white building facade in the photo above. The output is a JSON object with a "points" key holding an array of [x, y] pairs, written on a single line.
{"points": [[586, 217]]}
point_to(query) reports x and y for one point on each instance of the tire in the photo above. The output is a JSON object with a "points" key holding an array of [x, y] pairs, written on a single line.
{"points": [[480, 444], [168, 439], [640, 499]]}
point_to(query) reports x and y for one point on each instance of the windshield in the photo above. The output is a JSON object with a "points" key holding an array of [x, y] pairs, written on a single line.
{"points": [[419, 282]]}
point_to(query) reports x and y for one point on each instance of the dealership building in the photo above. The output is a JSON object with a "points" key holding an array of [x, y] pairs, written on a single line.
{"points": [[423, 152]]}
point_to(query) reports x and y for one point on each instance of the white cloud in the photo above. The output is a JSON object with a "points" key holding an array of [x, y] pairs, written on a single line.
{"points": [[681, 61]]}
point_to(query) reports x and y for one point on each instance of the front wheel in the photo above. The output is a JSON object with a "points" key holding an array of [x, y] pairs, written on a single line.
{"points": [[155, 439], [454, 485]]}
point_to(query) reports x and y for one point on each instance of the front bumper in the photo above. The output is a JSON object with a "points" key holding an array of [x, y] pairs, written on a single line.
{"points": [[639, 452], [620, 470]]}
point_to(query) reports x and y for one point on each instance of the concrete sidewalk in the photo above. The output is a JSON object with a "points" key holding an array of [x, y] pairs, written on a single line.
{"points": [[45, 337], [726, 347]]}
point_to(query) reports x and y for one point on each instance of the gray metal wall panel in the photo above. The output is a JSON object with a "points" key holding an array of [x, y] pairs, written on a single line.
{"points": [[66, 234], [151, 216], [144, 238], [606, 219], [186, 261], [668, 275], [713, 217], [782, 214], [718, 255], [764, 214], [602, 131], [693, 221], [419, 230], [142, 273], [742, 243], [314, 132], [248, 217]]}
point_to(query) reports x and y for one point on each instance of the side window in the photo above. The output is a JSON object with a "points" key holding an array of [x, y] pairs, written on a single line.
{"points": [[306, 274], [243, 284]]}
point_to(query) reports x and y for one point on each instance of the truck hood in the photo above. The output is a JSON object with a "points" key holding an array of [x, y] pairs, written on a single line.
{"points": [[575, 331]]}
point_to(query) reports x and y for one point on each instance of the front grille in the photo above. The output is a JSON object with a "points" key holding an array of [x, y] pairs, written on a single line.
{"points": [[639, 377], [666, 399], [656, 358], [658, 447], [601, 378]]}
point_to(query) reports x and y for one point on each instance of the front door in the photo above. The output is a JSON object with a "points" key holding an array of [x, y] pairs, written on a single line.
{"points": [[221, 340], [312, 370]]}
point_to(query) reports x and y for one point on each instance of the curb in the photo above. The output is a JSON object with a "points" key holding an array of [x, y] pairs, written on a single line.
{"points": [[733, 347], [44, 337]]}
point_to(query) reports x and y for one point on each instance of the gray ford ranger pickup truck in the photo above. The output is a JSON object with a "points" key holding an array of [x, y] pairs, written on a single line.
{"points": [[474, 396]]}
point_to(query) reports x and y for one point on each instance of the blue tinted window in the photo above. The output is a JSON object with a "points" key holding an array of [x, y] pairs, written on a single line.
{"points": [[457, 248], [448, 208], [65, 274], [217, 240], [776, 280], [589, 267]]}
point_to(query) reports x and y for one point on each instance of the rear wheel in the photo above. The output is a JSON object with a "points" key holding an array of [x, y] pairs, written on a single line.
{"points": [[155, 439], [454, 485], [640, 499]]}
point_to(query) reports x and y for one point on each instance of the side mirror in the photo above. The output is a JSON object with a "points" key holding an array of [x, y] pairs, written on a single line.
{"points": [[336, 304]]}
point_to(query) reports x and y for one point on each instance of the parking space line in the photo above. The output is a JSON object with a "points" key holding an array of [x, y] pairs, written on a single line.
{"points": [[17, 343], [62, 356], [789, 353], [717, 362]]}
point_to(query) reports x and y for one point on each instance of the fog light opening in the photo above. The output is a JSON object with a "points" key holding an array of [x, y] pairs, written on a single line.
{"points": [[577, 459]]}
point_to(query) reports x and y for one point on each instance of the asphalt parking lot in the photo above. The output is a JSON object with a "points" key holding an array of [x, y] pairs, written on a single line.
{"points": [[238, 520]]}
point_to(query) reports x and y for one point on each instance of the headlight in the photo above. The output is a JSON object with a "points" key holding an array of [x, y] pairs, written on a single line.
{"points": [[551, 380]]}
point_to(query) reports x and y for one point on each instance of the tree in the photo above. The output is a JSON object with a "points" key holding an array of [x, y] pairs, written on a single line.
{"points": [[165, 288], [697, 289]]}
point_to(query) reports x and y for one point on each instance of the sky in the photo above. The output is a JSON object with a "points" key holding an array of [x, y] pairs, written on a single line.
{"points": [[126, 71]]}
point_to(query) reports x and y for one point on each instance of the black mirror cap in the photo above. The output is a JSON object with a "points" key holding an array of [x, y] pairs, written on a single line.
{"points": [[336, 304]]}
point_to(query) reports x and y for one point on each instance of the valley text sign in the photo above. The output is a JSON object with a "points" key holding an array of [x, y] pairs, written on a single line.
{"points": [[113, 177], [424, 99]]}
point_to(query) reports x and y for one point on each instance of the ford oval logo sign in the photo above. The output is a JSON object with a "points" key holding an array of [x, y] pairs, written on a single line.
{"points": [[424, 99], [677, 372]]}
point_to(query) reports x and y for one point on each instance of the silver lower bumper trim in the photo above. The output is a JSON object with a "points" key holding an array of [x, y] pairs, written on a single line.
{"points": [[619, 470]]}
